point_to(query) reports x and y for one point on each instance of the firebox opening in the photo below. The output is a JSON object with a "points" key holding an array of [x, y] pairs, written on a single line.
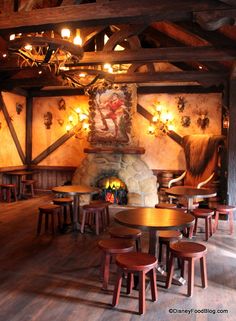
{"points": [[113, 190]]}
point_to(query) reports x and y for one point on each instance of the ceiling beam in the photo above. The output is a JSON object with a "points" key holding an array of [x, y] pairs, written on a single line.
{"points": [[213, 20], [90, 14], [211, 78], [159, 54]]}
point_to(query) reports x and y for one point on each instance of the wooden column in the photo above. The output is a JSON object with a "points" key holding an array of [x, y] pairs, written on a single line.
{"points": [[28, 136], [232, 143]]}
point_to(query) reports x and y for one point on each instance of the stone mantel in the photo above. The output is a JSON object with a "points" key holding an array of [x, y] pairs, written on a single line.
{"points": [[114, 150]]}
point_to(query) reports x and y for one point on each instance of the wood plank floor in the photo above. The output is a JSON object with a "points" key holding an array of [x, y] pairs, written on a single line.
{"points": [[57, 278]]}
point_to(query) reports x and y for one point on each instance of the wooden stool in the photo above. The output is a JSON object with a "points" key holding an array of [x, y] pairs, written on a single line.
{"points": [[48, 210], [165, 238], [226, 210], [106, 204], [188, 251], [27, 183], [66, 204], [6, 190], [93, 213], [127, 233], [165, 205], [141, 263], [111, 247], [207, 215]]}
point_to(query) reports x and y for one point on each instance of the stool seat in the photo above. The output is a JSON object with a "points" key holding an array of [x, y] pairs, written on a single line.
{"points": [[226, 210], [115, 246], [169, 235], [207, 215], [48, 210], [127, 233], [188, 251], [109, 248], [165, 205], [136, 262], [62, 200]]}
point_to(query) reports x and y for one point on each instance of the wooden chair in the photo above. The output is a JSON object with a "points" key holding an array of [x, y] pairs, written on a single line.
{"points": [[206, 214], [188, 251], [27, 184], [112, 247], [8, 190], [141, 263], [49, 211], [225, 210], [124, 232]]}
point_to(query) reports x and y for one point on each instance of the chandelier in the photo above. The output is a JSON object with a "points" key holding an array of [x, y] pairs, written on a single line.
{"points": [[41, 50], [162, 121]]}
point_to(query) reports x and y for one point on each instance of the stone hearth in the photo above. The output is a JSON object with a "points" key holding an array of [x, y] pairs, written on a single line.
{"points": [[130, 168]]}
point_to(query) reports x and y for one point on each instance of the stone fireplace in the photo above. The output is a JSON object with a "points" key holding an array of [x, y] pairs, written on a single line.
{"points": [[127, 165]]}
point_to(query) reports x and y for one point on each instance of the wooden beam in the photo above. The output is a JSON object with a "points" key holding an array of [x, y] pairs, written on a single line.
{"points": [[28, 138], [51, 148], [160, 54], [178, 89], [57, 92], [12, 130], [91, 14]]}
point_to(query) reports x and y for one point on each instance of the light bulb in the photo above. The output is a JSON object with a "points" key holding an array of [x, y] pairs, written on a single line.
{"points": [[65, 33], [77, 41]]}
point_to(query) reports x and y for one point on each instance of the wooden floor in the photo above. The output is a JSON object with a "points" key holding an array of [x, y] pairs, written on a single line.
{"points": [[58, 278]]}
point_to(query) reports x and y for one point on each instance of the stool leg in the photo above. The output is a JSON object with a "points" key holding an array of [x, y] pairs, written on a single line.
{"points": [[210, 224], [216, 221], [46, 222], [138, 244], [97, 222], [52, 223], [231, 222], [15, 193], [32, 190], [195, 226], [8, 195], [170, 271], [190, 276], [39, 223], [152, 275], [142, 306], [160, 251], [83, 222], [106, 270], [203, 271], [130, 282], [206, 228], [116, 294]]}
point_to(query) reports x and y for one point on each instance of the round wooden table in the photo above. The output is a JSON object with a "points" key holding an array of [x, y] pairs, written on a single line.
{"points": [[75, 191], [153, 220], [190, 193]]}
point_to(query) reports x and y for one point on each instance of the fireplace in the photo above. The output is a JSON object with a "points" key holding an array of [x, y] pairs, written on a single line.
{"points": [[141, 185], [113, 190]]}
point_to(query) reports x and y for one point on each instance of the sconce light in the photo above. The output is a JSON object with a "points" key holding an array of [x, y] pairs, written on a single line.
{"points": [[79, 124], [226, 121], [162, 121]]}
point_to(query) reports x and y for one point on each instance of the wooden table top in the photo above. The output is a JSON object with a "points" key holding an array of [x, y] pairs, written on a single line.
{"points": [[75, 189], [154, 218], [190, 192]]}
